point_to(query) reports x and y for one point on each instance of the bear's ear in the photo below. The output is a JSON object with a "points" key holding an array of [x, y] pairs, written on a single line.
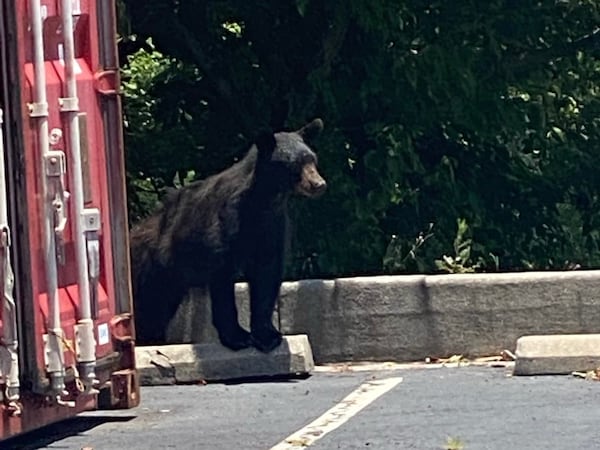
{"points": [[265, 143], [311, 130]]}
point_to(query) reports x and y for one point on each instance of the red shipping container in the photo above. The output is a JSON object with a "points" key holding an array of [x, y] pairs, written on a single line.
{"points": [[68, 318]]}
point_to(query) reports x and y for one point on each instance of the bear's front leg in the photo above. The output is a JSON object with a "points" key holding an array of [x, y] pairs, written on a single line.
{"points": [[265, 281], [225, 314]]}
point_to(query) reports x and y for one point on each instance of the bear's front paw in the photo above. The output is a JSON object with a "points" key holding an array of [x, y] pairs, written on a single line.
{"points": [[266, 339], [236, 339]]}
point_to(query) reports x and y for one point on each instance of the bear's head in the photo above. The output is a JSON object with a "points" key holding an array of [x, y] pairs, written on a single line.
{"points": [[286, 159]]}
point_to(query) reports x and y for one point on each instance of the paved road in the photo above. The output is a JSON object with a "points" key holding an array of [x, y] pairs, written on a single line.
{"points": [[482, 407]]}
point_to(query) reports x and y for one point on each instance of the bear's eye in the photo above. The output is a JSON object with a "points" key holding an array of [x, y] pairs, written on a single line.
{"points": [[305, 158], [308, 158]]}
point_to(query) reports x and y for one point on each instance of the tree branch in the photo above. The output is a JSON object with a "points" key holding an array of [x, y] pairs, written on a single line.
{"points": [[218, 84], [334, 40]]}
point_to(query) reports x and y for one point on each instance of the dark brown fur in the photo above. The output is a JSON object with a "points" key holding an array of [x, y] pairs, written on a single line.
{"points": [[208, 232]]}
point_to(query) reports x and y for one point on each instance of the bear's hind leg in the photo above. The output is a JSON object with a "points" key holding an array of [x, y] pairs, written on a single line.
{"points": [[225, 314], [155, 305]]}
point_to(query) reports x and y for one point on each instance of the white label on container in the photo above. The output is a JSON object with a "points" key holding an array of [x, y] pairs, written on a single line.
{"points": [[103, 334]]}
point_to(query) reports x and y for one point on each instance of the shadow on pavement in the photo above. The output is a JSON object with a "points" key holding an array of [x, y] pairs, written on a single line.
{"points": [[47, 435], [291, 378]]}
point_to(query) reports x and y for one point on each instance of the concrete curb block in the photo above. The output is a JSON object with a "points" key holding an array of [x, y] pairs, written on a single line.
{"points": [[193, 363], [557, 354]]}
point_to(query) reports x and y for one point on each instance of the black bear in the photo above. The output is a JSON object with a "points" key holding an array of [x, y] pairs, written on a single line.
{"points": [[211, 231]]}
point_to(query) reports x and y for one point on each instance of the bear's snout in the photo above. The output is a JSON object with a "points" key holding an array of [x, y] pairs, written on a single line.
{"points": [[311, 183]]}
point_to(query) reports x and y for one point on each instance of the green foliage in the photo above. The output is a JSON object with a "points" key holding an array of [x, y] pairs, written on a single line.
{"points": [[461, 261], [402, 256], [484, 115], [156, 124]]}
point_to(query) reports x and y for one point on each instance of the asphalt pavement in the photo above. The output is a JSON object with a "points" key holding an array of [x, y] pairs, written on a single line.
{"points": [[469, 408]]}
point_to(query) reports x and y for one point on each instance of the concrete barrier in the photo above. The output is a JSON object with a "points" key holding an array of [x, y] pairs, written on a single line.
{"points": [[193, 321], [407, 318]]}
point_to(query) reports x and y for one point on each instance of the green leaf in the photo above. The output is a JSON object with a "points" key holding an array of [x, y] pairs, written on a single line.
{"points": [[301, 6]]}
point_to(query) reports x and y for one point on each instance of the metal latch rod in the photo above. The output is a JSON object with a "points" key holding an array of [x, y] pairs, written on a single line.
{"points": [[84, 330], [9, 358], [54, 352]]}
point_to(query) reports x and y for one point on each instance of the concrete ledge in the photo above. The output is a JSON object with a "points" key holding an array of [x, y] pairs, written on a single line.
{"points": [[193, 320], [185, 363], [357, 319], [557, 355], [409, 318]]}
